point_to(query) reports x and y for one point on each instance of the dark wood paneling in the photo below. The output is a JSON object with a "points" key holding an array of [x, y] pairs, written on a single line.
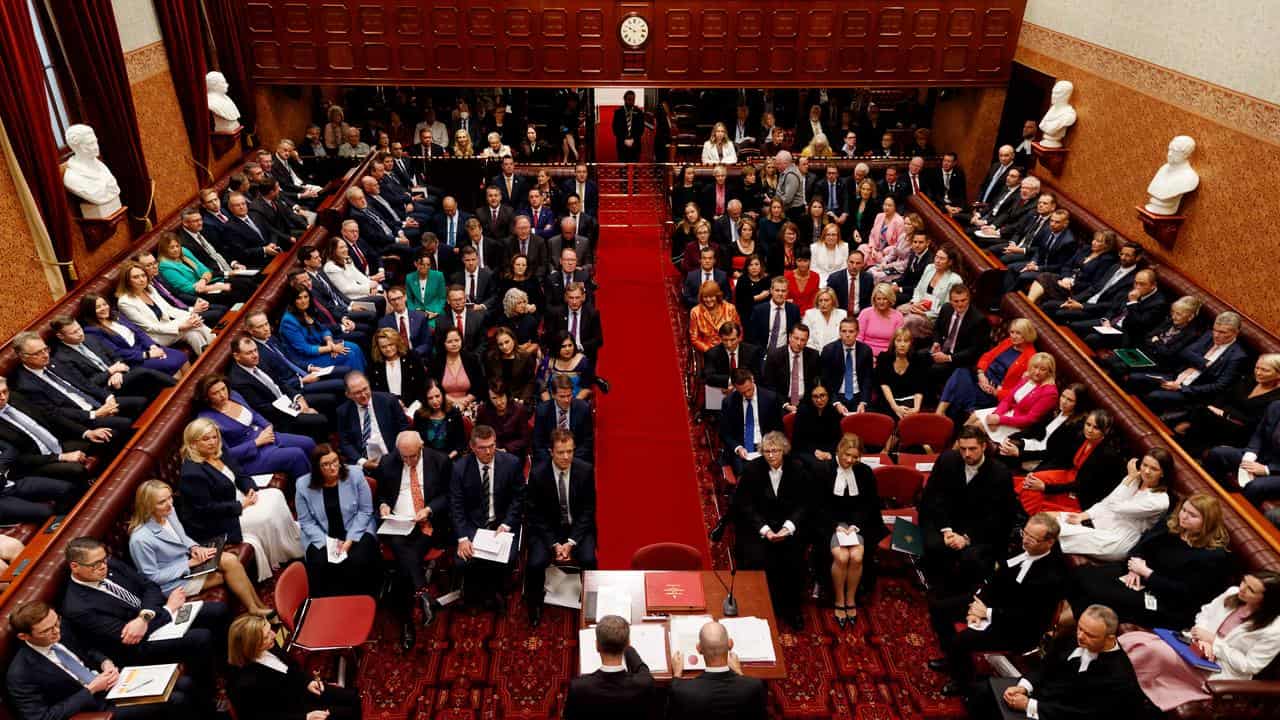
{"points": [[531, 43]]}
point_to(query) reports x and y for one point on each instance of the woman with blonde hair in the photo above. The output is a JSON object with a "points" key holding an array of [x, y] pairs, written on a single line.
{"points": [[164, 553], [220, 499], [998, 372], [718, 149], [335, 131], [851, 509], [270, 685], [462, 147], [708, 315], [144, 306], [878, 323], [830, 252], [1032, 399], [818, 147], [823, 319]]}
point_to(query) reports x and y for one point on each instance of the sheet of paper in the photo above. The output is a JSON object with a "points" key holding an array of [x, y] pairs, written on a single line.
{"points": [[489, 545], [396, 525], [924, 467], [336, 553], [753, 455], [563, 589], [322, 371], [285, 405], [714, 397], [752, 639], [684, 636], [1107, 330], [362, 306], [649, 641], [871, 461], [176, 629], [245, 272], [414, 408], [999, 433], [847, 539], [142, 681], [613, 601], [263, 479]]}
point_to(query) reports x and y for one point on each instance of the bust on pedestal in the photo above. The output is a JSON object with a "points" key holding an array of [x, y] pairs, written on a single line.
{"points": [[1060, 116], [1174, 179], [226, 116], [87, 177]]}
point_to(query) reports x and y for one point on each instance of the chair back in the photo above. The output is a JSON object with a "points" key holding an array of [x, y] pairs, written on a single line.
{"points": [[921, 429], [467, 426], [292, 590], [789, 424], [873, 428], [667, 556], [899, 486]]}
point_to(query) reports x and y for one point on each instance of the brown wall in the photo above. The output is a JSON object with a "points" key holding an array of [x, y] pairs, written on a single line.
{"points": [[282, 112], [966, 122], [1128, 111], [26, 293]]}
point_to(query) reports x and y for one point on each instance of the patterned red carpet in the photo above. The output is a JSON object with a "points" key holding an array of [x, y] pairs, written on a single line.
{"points": [[477, 666]]}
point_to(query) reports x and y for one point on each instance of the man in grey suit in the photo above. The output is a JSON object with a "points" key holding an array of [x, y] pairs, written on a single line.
{"points": [[722, 691]]}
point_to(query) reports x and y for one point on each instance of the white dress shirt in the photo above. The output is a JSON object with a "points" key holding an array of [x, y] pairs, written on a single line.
{"points": [[404, 498]]}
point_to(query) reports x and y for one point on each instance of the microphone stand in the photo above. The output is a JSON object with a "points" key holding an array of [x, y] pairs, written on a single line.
{"points": [[729, 608]]}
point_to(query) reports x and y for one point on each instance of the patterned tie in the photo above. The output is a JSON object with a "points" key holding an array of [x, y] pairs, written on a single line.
{"points": [[486, 488], [404, 330], [562, 418], [415, 491], [794, 394], [749, 430], [253, 227], [562, 485], [92, 356], [853, 294], [266, 380], [848, 373], [121, 593], [949, 344], [366, 424], [776, 330]]}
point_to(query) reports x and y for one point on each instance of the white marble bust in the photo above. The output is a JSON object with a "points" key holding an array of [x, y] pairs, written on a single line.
{"points": [[1060, 116], [1174, 179], [226, 116], [87, 177]]}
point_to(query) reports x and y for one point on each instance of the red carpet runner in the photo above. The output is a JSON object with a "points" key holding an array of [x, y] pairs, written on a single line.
{"points": [[646, 479]]}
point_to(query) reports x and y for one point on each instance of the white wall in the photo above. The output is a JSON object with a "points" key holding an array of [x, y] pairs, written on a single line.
{"points": [[1232, 43], [137, 23], [611, 96]]}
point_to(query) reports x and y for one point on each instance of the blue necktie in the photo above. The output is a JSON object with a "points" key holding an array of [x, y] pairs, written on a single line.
{"points": [[366, 424], [848, 373], [283, 358], [749, 431], [73, 665], [991, 185], [777, 327], [47, 442]]}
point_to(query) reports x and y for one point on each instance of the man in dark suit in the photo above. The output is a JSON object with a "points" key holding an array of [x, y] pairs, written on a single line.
{"points": [[55, 675], [586, 190], [570, 238], [1052, 256], [770, 322], [369, 423], [329, 304], [917, 181], [63, 390], [1010, 612], [214, 215], [834, 192], [853, 285], [404, 224], [191, 233], [621, 689], [98, 363], [472, 321], [706, 272], [29, 498], [1225, 462], [771, 520], [847, 369], [1002, 198], [412, 325], [428, 505], [966, 515], [731, 354], [287, 169], [585, 225], [1102, 297], [241, 237], [514, 188], [450, 225], [960, 335], [1136, 313], [48, 443], [894, 187], [487, 492], [721, 692], [628, 129], [425, 149], [380, 235], [726, 228], [566, 273], [262, 382], [495, 216], [479, 284], [562, 518], [746, 415], [946, 184], [579, 320], [1007, 222], [280, 224], [402, 199], [1085, 676], [1015, 247], [991, 183], [524, 242], [792, 371], [563, 411], [1211, 365], [114, 609], [717, 194]]}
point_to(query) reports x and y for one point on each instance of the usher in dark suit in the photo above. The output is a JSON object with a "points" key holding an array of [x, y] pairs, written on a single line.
{"points": [[718, 696], [982, 508], [612, 695], [545, 529]]}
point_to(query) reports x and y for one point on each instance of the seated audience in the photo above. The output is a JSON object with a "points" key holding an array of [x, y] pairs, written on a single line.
{"points": [[219, 499], [211, 313], [61, 390], [880, 322], [1232, 414], [1117, 521], [920, 257], [817, 429], [509, 418], [266, 380], [730, 354], [311, 341], [1087, 274], [1053, 440], [335, 508], [793, 370], [99, 364], [368, 423], [1030, 400], [900, 377], [1163, 344], [243, 239], [1173, 570], [563, 411], [782, 252], [352, 319], [487, 491], [128, 341], [1255, 468], [579, 320], [457, 371], [439, 422], [163, 322], [522, 303], [561, 512], [812, 225], [998, 373], [823, 319], [853, 285], [412, 326], [478, 284], [394, 368], [708, 315], [847, 369], [722, 691], [186, 275], [1135, 314], [251, 440], [164, 553], [1209, 367], [850, 512], [1055, 486], [771, 321], [268, 683], [513, 366], [959, 337], [691, 257], [1237, 630], [772, 508], [746, 415], [622, 688], [425, 287]]}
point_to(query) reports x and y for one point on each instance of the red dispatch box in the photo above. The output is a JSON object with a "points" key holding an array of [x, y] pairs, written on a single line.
{"points": [[673, 591]]}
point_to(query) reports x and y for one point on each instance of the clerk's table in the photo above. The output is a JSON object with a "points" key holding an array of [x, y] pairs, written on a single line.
{"points": [[749, 588]]}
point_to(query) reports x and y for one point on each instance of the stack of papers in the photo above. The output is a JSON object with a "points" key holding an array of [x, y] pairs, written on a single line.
{"points": [[563, 589], [752, 640], [684, 637], [144, 681], [613, 601], [997, 434], [336, 553], [650, 641], [396, 525], [489, 545]]}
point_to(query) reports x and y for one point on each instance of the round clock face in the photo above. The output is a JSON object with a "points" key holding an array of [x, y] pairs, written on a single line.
{"points": [[634, 31]]}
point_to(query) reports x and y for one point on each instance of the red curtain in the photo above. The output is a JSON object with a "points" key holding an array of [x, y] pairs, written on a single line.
{"points": [[184, 45], [24, 105], [91, 43], [224, 27]]}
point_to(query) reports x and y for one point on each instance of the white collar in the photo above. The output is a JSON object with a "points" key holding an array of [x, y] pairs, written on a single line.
{"points": [[613, 668], [846, 481], [719, 669], [1026, 561]]}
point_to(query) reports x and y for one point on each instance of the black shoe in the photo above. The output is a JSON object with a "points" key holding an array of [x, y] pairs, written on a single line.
{"points": [[939, 665], [535, 615], [408, 637], [954, 689], [602, 384], [498, 604], [428, 613]]}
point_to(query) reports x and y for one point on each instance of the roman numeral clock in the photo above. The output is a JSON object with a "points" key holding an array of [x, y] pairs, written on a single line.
{"points": [[633, 32]]}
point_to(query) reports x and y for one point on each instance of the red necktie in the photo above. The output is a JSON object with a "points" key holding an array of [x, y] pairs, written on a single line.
{"points": [[733, 360], [719, 199], [404, 331], [458, 324], [915, 184]]}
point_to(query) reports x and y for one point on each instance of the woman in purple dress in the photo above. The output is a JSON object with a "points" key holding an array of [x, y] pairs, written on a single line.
{"points": [[249, 438], [100, 319]]}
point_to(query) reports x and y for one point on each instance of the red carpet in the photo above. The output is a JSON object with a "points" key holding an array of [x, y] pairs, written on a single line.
{"points": [[646, 479]]}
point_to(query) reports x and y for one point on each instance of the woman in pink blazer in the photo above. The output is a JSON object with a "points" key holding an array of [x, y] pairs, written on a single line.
{"points": [[886, 232], [1034, 398]]}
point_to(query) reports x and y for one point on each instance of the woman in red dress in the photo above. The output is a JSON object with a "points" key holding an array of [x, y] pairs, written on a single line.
{"points": [[1091, 476], [802, 283]]}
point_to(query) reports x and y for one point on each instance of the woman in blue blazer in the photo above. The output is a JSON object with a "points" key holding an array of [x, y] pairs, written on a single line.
{"points": [[249, 438], [310, 341], [164, 553], [100, 319], [337, 504], [427, 295]]}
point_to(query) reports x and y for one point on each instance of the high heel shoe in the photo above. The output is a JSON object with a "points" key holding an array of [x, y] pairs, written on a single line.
{"points": [[841, 622]]}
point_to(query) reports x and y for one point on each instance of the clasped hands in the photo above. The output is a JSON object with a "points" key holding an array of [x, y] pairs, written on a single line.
{"points": [[955, 540], [778, 536], [977, 611], [1016, 697]]}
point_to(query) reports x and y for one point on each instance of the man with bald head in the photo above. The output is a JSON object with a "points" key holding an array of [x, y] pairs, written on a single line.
{"points": [[722, 691], [790, 186], [989, 190]]}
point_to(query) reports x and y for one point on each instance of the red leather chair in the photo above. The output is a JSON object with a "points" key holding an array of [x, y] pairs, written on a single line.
{"points": [[925, 429], [667, 556], [899, 488], [875, 429], [342, 622], [789, 424]]}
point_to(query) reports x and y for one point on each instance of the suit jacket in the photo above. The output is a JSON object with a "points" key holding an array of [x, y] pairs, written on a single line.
{"points": [[1141, 317], [971, 337], [722, 233], [213, 227], [158, 556], [900, 191], [437, 479], [758, 505], [64, 356], [413, 377], [777, 371], [42, 394], [26, 453], [554, 287], [1109, 688], [588, 225], [473, 328], [469, 507], [272, 220], [943, 193], [861, 510], [693, 285], [707, 198], [822, 190], [278, 367], [259, 693], [715, 364], [581, 424], [98, 616], [983, 508], [40, 690], [391, 422], [519, 194], [536, 251], [209, 506], [590, 331], [134, 353], [542, 220], [1118, 292], [590, 203], [238, 241], [499, 228], [838, 281], [1265, 441], [543, 506], [768, 410], [1022, 611], [1217, 378], [440, 228], [1013, 213], [612, 695], [419, 330], [762, 316], [486, 290], [581, 246], [491, 252], [995, 172], [1053, 256], [377, 238], [718, 696], [432, 299], [201, 255], [832, 363]]}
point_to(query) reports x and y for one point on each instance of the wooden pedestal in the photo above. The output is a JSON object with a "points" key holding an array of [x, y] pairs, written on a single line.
{"points": [[1052, 158], [97, 230], [1164, 228], [224, 141]]}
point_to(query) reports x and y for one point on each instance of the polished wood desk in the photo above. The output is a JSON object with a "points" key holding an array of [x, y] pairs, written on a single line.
{"points": [[753, 601]]}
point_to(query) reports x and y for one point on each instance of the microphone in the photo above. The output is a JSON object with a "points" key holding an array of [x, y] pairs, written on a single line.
{"points": [[730, 606]]}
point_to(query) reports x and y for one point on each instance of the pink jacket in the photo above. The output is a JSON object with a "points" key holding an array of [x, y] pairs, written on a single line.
{"points": [[883, 237], [1037, 403]]}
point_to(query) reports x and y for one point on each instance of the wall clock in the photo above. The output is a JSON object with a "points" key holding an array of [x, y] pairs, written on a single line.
{"points": [[634, 31]]}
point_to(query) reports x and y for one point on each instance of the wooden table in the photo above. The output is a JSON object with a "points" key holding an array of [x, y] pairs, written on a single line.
{"points": [[753, 601]]}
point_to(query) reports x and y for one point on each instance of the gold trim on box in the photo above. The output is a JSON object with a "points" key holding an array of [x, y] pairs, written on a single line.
{"points": [[1234, 109], [145, 62]]}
